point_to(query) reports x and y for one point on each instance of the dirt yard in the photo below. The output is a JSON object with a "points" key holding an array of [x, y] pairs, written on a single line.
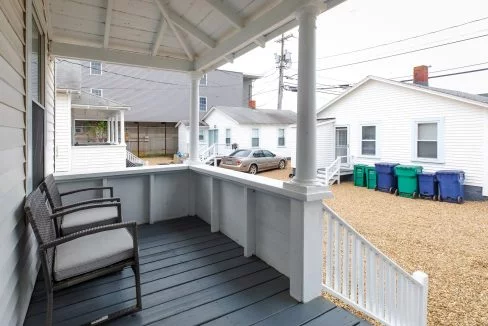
{"points": [[447, 241], [158, 160]]}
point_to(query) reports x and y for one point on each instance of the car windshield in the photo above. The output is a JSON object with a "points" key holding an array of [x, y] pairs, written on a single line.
{"points": [[241, 153]]}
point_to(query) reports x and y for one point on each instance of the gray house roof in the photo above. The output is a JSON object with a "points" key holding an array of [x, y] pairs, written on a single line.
{"points": [[468, 96], [244, 115], [85, 99]]}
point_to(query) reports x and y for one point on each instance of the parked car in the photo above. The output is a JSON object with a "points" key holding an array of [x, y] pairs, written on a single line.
{"points": [[253, 161]]}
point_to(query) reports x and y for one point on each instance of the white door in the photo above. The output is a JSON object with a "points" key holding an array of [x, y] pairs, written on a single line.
{"points": [[342, 143]]}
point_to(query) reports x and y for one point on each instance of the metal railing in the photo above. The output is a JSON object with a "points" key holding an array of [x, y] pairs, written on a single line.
{"points": [[134, 159], [359, 274]]}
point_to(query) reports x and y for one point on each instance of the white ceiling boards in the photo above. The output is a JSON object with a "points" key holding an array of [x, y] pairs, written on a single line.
{"points": [[180, 35]]}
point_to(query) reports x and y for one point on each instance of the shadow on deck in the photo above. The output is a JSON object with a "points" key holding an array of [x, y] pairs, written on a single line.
{"points": [[190, 276]]}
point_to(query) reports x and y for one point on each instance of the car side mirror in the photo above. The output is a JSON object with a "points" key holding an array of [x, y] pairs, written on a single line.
{"points": [[274, 155]]}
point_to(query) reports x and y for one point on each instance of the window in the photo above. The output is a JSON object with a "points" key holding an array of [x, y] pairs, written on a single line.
{"points": [[203, 80], [427, 142], [255, 137], [227, 137], [368, 140], [95, 68], [241, 153], [281, 137], [203, 103], [268, 154], [201, 136], [258, 154], [97, 91]]}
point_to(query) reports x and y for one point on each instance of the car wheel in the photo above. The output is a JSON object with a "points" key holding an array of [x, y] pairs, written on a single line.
{"points": [[253, 169], [282, 165]]}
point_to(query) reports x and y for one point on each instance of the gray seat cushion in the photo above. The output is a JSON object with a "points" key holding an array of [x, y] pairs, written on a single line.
{"points": [[88, 218], [91, 252]]}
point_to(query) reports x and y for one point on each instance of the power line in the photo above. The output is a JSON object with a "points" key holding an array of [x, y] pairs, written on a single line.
{"points": [[453, 74], [403, 53], [447, 69], [405, 39]]}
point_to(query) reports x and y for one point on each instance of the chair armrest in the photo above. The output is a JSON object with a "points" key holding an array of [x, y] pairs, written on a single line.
{"points": [[81, 208], [130, 226], [86, 202], [88, 189]]}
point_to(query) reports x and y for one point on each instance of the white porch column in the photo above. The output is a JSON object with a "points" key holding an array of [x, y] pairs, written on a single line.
{"points": [[306, 169], [116, 127], [122, 128], [194, 118], [112, 131], [109, 131], [306, 217]]}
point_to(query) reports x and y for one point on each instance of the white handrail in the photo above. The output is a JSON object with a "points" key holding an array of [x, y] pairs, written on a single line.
{"points": [[213, 151], [362, 276], [134, 159]]}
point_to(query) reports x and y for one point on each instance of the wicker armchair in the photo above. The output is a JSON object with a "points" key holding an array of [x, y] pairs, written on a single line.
{"points": [[78, 220], [83, 255]]}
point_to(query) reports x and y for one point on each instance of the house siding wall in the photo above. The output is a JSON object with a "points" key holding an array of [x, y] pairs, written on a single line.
{"points": [[242, 134], [63, 132], [49, 111], [394, 109], [98, 158], [18, 263]]}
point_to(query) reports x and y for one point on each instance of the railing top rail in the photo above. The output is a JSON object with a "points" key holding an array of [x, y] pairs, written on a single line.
{"points": [[363, 239]]}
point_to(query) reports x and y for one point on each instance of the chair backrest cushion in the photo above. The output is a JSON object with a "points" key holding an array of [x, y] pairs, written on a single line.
{"points": [[39, 218], [52, 192]]}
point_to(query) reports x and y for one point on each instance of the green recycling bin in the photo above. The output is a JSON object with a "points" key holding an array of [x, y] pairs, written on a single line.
{"points": [[359, 175], [370, 177], [407, 180]]}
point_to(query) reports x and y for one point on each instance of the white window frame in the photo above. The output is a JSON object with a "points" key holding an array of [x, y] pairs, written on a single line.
{"points": [[284, 138], [97, 89], [200, 105], [204, 80], [258, 138], [440, 140], [376, 143], [230, 137], [99, 70]]}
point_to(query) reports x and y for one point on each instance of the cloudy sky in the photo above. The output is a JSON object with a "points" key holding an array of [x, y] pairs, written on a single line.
{"points": [[359, 24]]}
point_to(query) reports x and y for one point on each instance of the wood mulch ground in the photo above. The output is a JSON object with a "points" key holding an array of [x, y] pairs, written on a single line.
{"points": [[449, 242]]}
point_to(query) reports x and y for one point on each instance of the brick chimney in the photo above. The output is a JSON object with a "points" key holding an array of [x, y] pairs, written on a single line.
{"points": [[421, 75], [252, 104]]}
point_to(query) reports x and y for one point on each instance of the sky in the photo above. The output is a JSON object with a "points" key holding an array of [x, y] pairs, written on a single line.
{"points": [[359, 24]]}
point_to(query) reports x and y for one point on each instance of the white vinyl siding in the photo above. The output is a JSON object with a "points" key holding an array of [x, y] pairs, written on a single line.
{"points": [[63, 132], [368, 140], [394, 109], [255, 137], [98, 158], [95, 68]]}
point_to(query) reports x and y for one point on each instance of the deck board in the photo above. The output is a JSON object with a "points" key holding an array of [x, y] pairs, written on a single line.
{"points": [[189, 276]]}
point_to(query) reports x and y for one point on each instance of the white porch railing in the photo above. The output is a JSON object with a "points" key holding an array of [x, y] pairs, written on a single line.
{"points": [[214, 151], [331, 173], [365, 278], [134, 159]]}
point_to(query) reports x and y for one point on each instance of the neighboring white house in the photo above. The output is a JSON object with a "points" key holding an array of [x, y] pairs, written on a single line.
{"points": [[246, 127], [380, 120], [109, 152]]}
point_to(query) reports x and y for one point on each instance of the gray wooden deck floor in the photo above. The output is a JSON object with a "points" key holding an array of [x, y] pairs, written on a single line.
{"points": [[190, 276]]}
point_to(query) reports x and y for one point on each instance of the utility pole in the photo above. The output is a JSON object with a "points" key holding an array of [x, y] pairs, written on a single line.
{"points": [[283, 61]]}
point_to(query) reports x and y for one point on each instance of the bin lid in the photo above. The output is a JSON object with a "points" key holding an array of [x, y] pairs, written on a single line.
{"points": [[386, 164], [430, 174], [409, 167], [449, 172]]}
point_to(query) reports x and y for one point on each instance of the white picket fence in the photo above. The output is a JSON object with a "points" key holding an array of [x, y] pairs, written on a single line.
{"points": [[365, 278]]}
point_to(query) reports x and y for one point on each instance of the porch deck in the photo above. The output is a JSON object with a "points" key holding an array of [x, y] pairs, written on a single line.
{"points": [[190, 276]]}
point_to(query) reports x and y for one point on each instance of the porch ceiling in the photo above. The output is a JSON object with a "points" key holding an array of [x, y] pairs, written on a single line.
{"points": [[181, 35]]}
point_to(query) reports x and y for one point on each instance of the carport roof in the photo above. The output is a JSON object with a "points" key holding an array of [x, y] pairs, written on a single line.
{"points": [[244, 115]]}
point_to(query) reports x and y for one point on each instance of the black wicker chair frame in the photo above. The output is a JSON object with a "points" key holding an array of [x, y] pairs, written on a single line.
{"points": [[42, 224]]}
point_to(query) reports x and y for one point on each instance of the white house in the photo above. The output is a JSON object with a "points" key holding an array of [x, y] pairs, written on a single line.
{"points": [[108, 151], [380, 120], [245, 127], [183, 128]]}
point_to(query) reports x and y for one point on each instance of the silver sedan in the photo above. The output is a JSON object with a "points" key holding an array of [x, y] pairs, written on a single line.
{"points": [[252, 161]]}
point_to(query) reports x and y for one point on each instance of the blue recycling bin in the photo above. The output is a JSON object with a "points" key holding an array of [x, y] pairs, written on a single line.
{"points": [[386, 180], [427, 185], [451, 186]]}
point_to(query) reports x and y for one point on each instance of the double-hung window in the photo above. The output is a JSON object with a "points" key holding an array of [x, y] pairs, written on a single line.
{"points": [[368, 140], [203, 80], [97, 91], [95, 68], [203, 103], [201, 136], [281, 137], [227, 137], [427, 140], [255, 137]]}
